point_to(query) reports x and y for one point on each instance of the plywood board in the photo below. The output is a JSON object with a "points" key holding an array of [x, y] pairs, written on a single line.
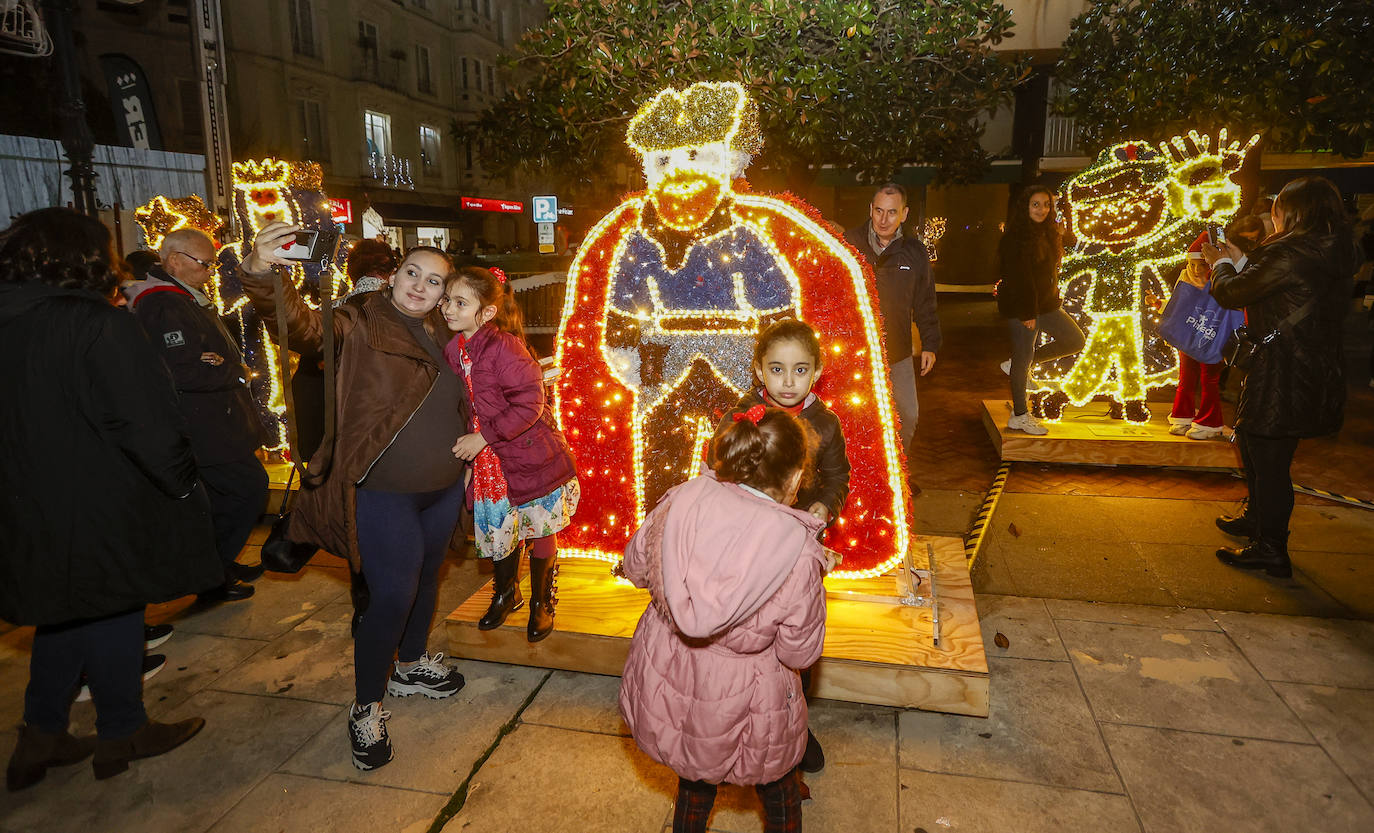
{"points": [[1088, 436], [876, 650]]}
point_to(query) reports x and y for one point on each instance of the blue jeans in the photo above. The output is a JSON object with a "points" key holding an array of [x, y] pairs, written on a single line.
{"points": [[1066, 339], [109, 651], [402, 539]]}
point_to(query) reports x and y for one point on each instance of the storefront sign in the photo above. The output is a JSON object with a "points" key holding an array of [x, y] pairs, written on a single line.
{"points": [[341, 209], [500, 206]]}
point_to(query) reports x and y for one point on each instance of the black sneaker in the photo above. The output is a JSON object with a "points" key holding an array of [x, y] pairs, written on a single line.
{"points": [[813, 760], [155, 635], [152, 663], [429, 677], [367, 733]]}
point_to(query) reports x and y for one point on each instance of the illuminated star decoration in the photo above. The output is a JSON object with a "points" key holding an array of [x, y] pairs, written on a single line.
{"points": [[159, 216], [1134, 212], [621, 315]]}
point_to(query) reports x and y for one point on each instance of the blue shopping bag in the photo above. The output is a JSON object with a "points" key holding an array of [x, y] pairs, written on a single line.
{"points": [[1196, 324]]}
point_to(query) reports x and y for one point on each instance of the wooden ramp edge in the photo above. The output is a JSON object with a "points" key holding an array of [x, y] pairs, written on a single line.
{"points": [[1088, 436], [876, 651]]}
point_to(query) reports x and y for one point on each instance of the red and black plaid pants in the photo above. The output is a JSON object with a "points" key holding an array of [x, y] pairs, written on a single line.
{"points": [[781, 805]]}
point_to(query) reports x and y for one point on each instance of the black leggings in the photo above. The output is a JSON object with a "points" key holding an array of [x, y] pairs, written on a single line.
{"points": [[1267, 462], [402, 539]]}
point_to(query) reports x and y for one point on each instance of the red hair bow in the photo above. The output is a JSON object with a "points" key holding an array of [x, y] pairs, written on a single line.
{"points": [[754, 414], [499, 273]]}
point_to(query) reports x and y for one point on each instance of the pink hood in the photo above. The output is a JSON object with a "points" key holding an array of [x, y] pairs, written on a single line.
{"points": [[729, 554]]}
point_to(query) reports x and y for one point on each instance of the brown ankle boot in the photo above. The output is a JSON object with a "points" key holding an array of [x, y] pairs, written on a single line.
{"points": [[37, 750], [152, 739], [543, 597]]}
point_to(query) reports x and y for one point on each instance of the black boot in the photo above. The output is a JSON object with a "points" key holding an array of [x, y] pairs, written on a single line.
{"points": [[1241, 525], [543, 596], [505, 592], [37, 750], [1263, 554]]}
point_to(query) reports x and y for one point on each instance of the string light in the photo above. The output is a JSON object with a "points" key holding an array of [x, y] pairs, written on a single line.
{"points": [[931, 233], [1134, 213], [654, 351]]}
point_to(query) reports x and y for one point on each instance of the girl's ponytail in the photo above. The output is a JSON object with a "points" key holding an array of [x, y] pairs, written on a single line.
{"points": [[762, 448]]}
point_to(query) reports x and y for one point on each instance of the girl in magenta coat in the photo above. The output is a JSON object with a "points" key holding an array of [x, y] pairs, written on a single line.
{"points": [[711, 687], [524, 484]]}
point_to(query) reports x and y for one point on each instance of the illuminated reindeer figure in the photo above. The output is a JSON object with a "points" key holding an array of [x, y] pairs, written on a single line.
{"points": [[1133, 213]]}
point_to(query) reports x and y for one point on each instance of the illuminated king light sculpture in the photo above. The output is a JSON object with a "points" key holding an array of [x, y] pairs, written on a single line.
{"points": [[1134, 213], [264, 191], [663, 304]]}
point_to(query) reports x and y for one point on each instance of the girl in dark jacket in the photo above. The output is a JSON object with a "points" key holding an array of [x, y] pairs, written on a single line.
{"points": [[1028, 296], [524, 483], [1294, 288], [385, 491], [103, 512]]}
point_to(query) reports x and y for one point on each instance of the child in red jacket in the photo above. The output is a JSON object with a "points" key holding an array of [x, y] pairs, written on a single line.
{"points": [[524, 483]]}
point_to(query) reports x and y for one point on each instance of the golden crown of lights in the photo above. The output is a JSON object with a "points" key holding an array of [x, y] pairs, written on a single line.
{"points": [[704, 113], [278, 172]]}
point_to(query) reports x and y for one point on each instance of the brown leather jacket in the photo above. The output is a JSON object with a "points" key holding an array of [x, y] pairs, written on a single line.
{"points": [[382, 376]]}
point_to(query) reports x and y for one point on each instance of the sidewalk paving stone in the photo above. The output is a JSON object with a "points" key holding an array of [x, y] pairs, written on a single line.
{"points": [[1346, 577], [961, 804], [1159, 616], [1181, 782], [1039, 730], [1195, 578], [279, 603], [582, 702], [245, 738], [195, 661], [1331, 529], [555, 780], [1304, 650], [1342, 721], [1175, 679], [1026, 625], [314, 661], [292, 803], [435, 742], [1087, 570]]}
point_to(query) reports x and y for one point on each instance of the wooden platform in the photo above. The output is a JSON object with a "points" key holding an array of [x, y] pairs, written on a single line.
{"points": [[1088, 436], [876, 651]]}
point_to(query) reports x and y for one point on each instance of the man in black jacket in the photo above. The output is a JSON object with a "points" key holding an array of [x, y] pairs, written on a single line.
{"points": [[212, 387], [906, 294]]}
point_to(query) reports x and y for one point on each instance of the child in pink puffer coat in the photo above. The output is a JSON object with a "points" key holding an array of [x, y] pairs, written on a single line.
{"points": [[710, 686]]}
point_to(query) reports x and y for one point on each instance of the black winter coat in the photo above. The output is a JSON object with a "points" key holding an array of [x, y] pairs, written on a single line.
{"points": [[829, 480], [906, 292], [1296, 387], [1029, 280], [215, 399], [100, 511]]}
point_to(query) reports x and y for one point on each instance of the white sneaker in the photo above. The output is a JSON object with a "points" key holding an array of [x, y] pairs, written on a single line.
{"points": [[1202, 432], [1006, 367], [1027, 423]]}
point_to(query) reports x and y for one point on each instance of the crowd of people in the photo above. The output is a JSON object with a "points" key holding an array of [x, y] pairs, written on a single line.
{"points": [[442, 410]]}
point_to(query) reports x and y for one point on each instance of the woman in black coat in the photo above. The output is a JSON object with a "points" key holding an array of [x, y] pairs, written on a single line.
{"points": [[1296, 284], [102, 513]]}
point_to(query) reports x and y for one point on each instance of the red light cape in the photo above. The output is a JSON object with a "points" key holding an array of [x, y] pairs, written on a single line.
{"points": [[837, 286]]}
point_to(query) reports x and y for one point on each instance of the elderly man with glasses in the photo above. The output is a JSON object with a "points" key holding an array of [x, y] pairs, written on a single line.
{"points": [[212, 387]]}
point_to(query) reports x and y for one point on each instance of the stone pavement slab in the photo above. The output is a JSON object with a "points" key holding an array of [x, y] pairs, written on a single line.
{"points": [[1042, 518], [279, 603], [1175, 679], [1039, 730], [584, 702], [1099, 571], [245, 738], [1346, 577], [1164, 521], [1342, 721], [435, 742], [857, 789], [945, 511], [1159, 616], [292, 803], [555, 780], [195, 661], [1304, 650], [960, 804], [1195, 578], [1332, 528], [313, 661], [1181, 782], [1024, 623]]}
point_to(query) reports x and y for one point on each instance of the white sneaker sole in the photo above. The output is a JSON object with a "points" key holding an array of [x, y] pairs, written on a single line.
{"points": [[396, 689]]}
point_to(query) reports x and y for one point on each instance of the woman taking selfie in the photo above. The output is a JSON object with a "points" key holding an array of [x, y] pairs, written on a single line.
{"points": [[1294, 287]]}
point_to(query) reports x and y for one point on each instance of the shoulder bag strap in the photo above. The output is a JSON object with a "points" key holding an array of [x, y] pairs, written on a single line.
{"points": [[284, 368]]}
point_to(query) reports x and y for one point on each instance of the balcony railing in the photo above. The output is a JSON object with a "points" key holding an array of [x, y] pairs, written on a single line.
{"points": [[1061, 137], [389, 171]]}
